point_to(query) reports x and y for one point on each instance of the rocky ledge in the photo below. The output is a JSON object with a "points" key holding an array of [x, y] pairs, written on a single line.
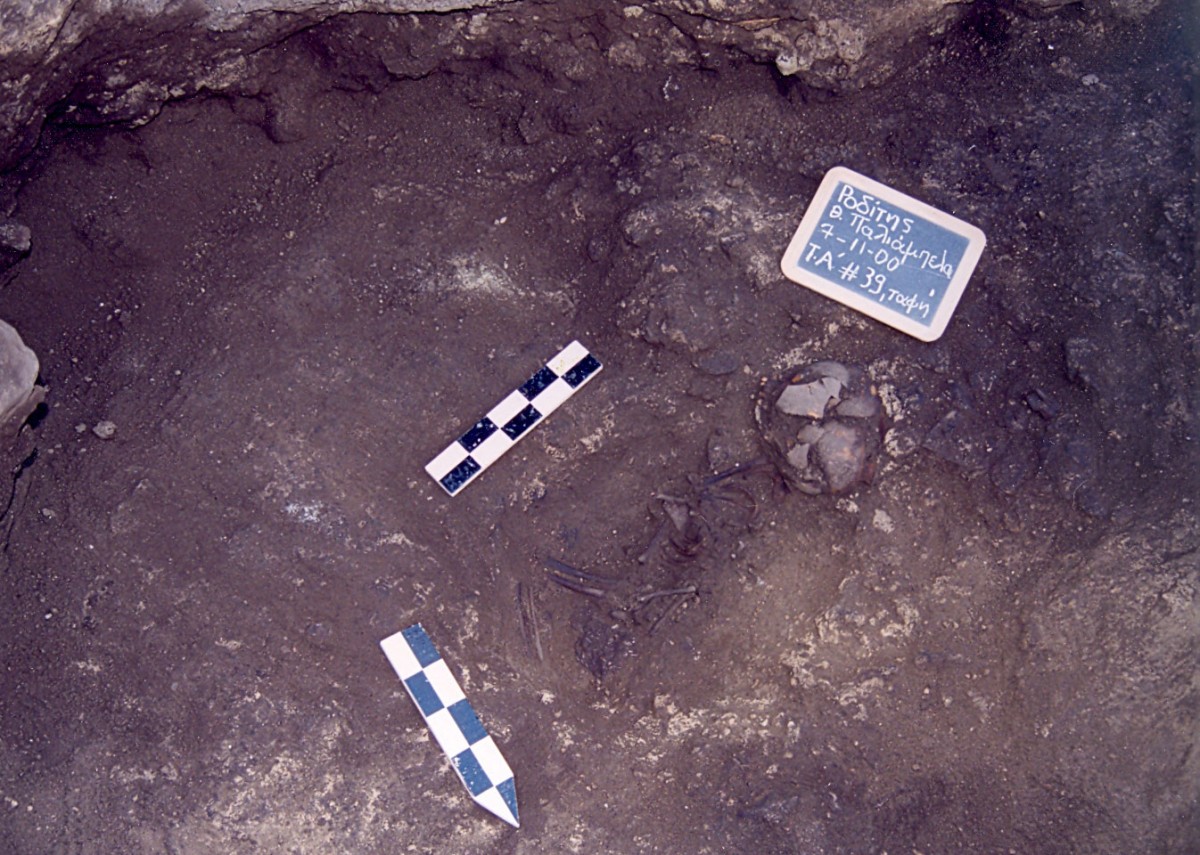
{"points": [[96, 62]]}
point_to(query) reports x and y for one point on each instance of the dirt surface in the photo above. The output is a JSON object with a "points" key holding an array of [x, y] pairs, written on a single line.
{"points": [[278, 310]]}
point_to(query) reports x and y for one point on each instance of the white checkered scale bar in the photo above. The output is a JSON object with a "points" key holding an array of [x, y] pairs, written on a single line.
{"points": [[453, 722], [512, 418]]}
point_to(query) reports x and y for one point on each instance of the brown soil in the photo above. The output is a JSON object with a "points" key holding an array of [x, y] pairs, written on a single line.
{"points": [[288, 305]]}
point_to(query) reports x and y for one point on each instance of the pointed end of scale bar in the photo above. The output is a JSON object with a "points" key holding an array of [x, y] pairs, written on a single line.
{"points": [[502, 801]]}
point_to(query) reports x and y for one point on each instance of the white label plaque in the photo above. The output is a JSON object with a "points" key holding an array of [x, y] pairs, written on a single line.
{"points": [[883, 253]]}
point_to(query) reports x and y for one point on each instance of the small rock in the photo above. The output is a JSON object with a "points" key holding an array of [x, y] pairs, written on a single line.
{"points": [[105, 429], [19, 393], [15, 243], [1042, 404]]}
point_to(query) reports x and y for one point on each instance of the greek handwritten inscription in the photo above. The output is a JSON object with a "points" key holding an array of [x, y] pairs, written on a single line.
{"points": [[883, 253]]}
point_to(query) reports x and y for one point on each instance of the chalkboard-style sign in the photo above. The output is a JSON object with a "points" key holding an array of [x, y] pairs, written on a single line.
{"points": [[883, 253]]}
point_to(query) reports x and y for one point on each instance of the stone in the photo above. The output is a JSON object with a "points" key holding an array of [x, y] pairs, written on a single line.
{"points": [[19, 393], [15, 243], [105, 429], [14, 237], [1043, 404]]}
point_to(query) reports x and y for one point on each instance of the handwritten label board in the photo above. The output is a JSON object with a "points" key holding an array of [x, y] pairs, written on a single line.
{"points": [[883, 253]]}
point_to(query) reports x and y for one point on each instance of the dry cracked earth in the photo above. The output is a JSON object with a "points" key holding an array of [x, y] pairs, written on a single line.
{"points": [[277, 309]]}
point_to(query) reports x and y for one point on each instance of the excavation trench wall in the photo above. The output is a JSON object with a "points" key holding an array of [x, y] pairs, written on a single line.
{"points": [[95, 62]]}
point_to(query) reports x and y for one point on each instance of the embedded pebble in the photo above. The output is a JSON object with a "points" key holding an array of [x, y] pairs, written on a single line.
{"points": [[105, 429], [15, 242]]}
